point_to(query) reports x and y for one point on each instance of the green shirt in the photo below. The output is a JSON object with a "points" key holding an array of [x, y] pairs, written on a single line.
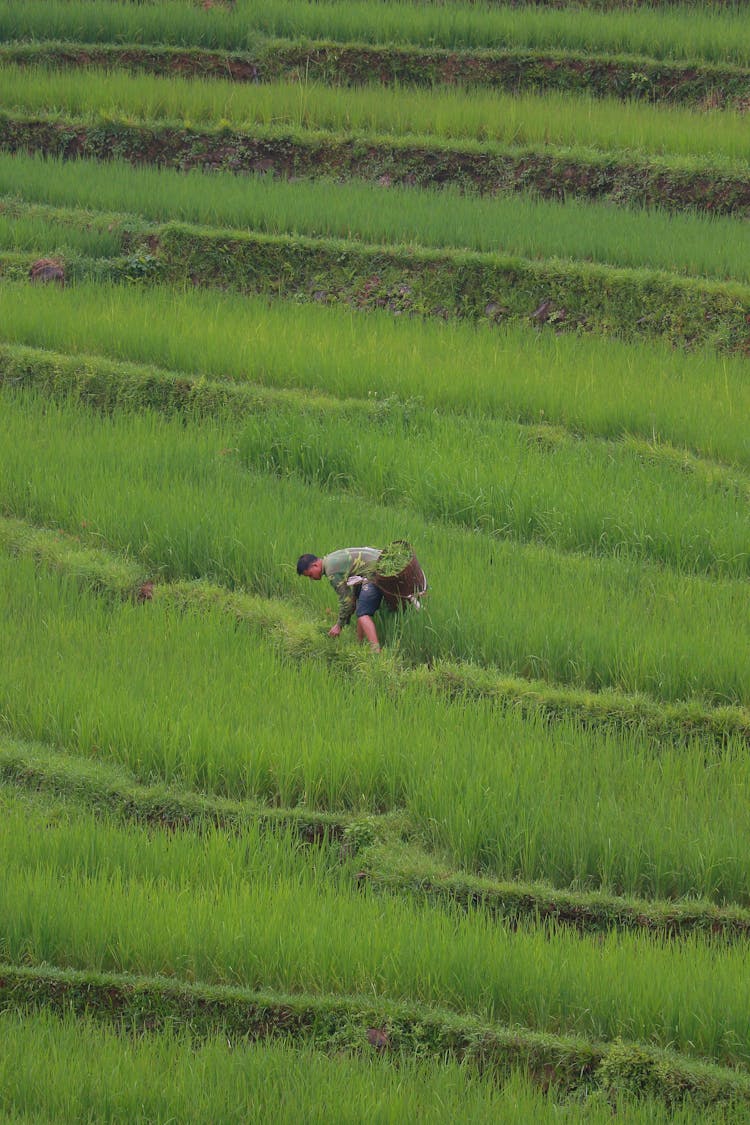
{"points": [[341, 565]]}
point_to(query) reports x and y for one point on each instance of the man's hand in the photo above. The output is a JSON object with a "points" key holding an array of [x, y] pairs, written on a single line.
{"points": [[334, 632]]}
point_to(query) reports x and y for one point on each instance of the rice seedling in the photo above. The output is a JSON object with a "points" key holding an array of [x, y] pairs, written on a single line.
{"points": [[196, 700], [526, 119], [45, 237], [691, 31], [689, 244], [698, 400], [692, 995]]}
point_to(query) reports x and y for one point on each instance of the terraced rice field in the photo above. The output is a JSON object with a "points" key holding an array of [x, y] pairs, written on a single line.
{"points": [[328, 273]]}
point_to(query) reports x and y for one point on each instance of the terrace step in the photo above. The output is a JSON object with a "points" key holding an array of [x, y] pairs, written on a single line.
{"points": [[599, 75], [561, 295], [388, 862], [552, 172], [106, 572], [146, 1004]]}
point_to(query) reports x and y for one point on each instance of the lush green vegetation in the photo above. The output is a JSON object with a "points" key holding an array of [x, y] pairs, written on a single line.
{"points": [[669, 825], [101, 914], [527, 119], [180, 500], [73, 1072], [45, 236], [534, 484], [696, 400], [691, 31], [690, 244], [514, 839]]}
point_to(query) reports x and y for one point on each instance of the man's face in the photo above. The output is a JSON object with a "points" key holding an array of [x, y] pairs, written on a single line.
{"points": [[314, 570]]}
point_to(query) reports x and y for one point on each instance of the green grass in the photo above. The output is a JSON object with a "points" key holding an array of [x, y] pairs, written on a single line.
{"points": [[691, 31], [530, 484], [299, 932], [46, 238], [75, 1072], [192, 699], [609, 388], [177, 498], [688, 244], [527, 119]]}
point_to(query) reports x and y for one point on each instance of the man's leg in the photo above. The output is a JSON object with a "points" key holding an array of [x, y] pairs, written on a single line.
{"points": [[368, 603], [366, 631]]}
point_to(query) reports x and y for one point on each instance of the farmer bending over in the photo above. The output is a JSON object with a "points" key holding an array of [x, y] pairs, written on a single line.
{"points": [[350, 573]]}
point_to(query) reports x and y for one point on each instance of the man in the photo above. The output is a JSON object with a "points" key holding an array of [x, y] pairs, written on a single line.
{"points": [[350, 573]]}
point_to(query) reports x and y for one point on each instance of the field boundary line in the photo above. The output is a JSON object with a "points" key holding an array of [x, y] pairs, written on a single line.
{"points": [[627, 76], [112, 384], [105, 788], [138, 1005], [407, 869], [722, 188]]}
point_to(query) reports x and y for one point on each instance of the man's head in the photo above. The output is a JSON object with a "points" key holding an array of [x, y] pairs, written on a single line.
{"points": [[310, 566]]}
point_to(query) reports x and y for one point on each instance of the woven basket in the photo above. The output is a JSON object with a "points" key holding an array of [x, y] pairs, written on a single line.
{"points": [[408, 585]]}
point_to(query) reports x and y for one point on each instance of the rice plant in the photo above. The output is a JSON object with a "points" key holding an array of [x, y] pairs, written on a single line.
{"points": [[697, 400], [480, 116], [45, 237], [692, 995], [693, 31], [690, 244]]}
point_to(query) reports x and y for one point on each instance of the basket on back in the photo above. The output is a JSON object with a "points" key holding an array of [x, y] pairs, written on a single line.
{"points": [[399, 575]]}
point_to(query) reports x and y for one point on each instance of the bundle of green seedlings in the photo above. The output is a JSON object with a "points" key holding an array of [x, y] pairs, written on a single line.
{"points": [[482, 116], [164, 690], [690, 31], [394, 558], [691, 244]]}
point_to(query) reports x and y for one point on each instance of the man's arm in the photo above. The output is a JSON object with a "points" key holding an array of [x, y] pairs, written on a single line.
{"points": [[347, 600]]}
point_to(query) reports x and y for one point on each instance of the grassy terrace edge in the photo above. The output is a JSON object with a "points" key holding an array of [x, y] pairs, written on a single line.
{"points": [[298, 638], [625, 76], [567, 295], [553, 173], [145, 1004], [388, 861]]}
